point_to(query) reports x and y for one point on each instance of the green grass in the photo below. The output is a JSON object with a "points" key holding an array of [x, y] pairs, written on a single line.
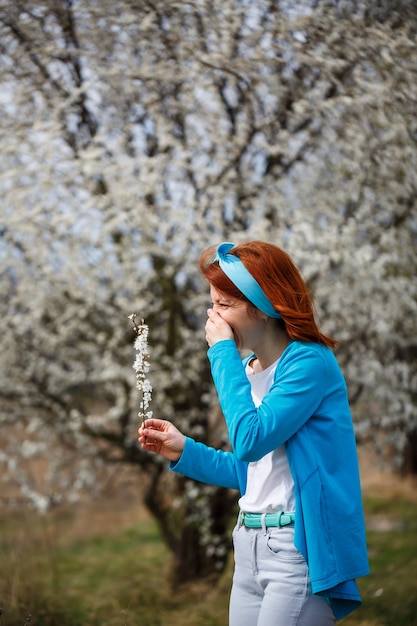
{"points": [[93, 573], [390, 592]]}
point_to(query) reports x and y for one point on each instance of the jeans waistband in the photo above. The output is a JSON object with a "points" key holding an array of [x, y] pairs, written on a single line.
{"points": [[254, 520]]}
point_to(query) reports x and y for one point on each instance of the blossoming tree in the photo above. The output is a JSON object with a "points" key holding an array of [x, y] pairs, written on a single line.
{"points": [[136, 134]]}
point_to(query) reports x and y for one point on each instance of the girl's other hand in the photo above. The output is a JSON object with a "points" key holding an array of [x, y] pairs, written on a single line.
{"points": [[217, 328], [162, 437]]}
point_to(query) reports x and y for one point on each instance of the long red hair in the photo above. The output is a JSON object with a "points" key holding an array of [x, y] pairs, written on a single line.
{"points": [[281, 281]]}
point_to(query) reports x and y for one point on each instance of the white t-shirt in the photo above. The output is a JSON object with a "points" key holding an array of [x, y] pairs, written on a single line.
{"points": [[270, 487]]}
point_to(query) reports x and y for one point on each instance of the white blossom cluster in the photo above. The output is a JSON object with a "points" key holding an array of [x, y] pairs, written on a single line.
{"points": [[224, 121], [141, 366]]}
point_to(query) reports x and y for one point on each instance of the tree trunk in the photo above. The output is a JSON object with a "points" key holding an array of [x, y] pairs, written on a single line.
{"points": [[200, 548], [410, 454]]}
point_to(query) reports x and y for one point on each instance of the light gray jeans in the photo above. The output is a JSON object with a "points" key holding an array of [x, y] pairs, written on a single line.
{"points": [[271, 583]]}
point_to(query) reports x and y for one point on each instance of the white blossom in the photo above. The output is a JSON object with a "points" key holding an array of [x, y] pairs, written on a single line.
{"points": [[141, 366], [296, 126]]}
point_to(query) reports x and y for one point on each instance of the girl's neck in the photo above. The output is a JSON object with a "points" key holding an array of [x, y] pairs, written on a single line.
{"points": [[269, 352]]}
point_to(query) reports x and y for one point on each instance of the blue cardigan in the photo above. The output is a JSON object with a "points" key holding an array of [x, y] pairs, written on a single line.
{"points": [[306, 409]]}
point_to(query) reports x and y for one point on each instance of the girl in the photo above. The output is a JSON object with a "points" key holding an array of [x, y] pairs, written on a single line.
{"points": [[299, 542]]}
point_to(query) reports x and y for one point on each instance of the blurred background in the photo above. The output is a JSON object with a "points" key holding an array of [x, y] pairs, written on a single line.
{"points": [[134, 134]]}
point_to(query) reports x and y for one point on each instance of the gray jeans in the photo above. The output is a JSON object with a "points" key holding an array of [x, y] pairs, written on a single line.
{"points": [[271, 583]]}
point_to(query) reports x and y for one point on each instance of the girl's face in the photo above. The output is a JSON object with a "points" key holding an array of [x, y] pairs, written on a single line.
{"points": [[246, 322]]}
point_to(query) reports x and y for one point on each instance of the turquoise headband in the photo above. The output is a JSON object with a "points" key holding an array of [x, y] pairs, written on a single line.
{"points": [[234, 269]]}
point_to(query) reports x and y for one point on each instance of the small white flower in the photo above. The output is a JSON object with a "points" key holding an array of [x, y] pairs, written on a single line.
{"points": [[141, 366]]}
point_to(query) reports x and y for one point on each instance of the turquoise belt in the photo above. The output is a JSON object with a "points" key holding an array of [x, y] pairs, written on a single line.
{"points": [[254, 520]]}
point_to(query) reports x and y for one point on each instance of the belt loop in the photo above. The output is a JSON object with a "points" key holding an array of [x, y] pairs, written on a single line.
{"points": [[281, 513], [241, 519], [263, 523]]}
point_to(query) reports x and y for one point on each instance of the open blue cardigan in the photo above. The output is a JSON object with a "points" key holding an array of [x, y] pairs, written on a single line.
{"points": [[306, 409]]}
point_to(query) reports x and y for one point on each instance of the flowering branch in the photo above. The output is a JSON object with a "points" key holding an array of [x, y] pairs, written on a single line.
{"points": [[141, 367]]}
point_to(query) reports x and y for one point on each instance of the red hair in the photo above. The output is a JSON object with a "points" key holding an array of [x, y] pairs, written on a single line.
{"points": [[281, 281]]}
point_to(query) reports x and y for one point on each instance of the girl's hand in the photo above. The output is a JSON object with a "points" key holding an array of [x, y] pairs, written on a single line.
{"points": [[216, 328], [162, 437]]}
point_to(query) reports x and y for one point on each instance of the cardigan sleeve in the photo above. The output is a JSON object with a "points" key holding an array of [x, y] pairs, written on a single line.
{"points": [[211, 466], [300, 383]]}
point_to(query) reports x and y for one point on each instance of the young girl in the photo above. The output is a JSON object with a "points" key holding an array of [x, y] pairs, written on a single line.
{"points": [[299, 542]]}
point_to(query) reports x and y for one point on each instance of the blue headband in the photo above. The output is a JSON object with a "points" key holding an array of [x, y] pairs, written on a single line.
{"points": [[234, 269]]}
